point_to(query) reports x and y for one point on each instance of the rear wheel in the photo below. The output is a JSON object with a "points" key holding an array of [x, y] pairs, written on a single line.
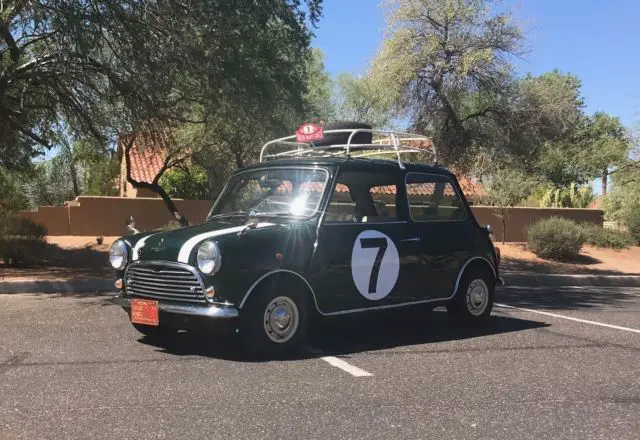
{"points": [[473, 301], [275, 322]]}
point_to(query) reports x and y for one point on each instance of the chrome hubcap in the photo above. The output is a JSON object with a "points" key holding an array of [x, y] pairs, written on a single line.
{"points": [[477, 297], [281, 319]]}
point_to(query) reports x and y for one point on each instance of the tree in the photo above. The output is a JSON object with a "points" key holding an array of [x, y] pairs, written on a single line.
{"points": [[365, 99], [604, 144], [439, 53], [109, 67], [12, 197], [505, 189], [187, 183], [318, 99]]}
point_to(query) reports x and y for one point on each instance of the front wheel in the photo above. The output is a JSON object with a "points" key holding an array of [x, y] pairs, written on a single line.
{"points": [[274, 322], [473, 301]]}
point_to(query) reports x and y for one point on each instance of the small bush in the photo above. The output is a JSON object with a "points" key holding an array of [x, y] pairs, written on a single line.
{"points": [[632, 222], [21, 240], [606, 238], [556, 238]]}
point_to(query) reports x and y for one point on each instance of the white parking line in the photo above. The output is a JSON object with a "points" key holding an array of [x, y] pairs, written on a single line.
{"points": [[570, 318], [339, 363]]}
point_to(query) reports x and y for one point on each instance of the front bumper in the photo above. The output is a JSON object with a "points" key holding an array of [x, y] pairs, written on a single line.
{"points": [[203, 311]]}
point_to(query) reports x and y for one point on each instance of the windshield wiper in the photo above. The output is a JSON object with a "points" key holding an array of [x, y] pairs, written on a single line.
{"points": [[229, 214]]}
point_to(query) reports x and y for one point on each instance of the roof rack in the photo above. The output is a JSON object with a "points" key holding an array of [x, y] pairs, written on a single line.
{"points": [[383, 143]]}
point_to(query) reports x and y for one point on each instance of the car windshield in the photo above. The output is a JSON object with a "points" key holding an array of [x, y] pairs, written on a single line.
{"points": [[276, 191]]}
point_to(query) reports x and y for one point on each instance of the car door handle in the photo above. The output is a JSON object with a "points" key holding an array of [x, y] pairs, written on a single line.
{"points": [[412, 239]]}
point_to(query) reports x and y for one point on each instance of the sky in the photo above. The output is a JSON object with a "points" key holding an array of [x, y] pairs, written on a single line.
{"points": [[597, 41]]}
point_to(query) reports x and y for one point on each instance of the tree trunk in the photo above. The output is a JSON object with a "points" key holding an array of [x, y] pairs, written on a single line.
{"points": [[503, 220], [605, 177], [155, 187]]}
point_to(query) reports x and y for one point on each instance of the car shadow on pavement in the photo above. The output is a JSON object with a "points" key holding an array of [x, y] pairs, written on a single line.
{"points": [[341, 336], [565, 298]]}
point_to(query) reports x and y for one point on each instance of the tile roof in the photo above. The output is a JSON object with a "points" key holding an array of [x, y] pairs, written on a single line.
{"points": [[145, 159]]}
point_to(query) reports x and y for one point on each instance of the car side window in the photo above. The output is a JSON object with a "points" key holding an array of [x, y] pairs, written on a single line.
{"points": [[433, 198], [361, 197]]}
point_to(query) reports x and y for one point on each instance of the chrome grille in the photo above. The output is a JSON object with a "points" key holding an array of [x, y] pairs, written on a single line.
{"points": [[164, 281]]}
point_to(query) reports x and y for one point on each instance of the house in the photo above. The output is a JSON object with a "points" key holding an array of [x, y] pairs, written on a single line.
{"points": [[145, 164]]}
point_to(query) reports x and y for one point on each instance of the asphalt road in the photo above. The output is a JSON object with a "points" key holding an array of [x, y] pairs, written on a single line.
{"points": [[72, 367]]}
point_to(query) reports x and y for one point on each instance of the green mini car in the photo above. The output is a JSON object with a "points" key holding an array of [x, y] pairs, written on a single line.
{"points": [[331, 221]]}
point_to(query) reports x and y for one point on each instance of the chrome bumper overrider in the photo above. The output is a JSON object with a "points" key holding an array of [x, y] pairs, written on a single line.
{"points": [[207, 311]]}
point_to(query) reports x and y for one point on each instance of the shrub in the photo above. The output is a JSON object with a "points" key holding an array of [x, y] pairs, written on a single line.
{"points": [[632, 222], [606, 238], [21, 240], [555, 238]]}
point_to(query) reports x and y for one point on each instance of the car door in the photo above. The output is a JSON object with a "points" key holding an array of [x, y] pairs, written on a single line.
{"points": [[438, 218], [362, 258]]}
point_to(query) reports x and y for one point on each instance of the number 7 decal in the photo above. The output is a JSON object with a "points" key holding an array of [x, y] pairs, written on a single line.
{"points": [[375, 264], [381, 244]]}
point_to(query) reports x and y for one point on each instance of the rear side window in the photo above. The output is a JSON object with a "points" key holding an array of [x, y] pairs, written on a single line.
{"points": [[362, 197], [433, 198]]}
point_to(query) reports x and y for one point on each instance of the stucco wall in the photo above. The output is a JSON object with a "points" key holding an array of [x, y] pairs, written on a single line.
{"points": [[518, 219], [108, 215]]}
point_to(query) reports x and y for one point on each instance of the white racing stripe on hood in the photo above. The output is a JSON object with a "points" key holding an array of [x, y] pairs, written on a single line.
{"points": [[187, 247], [137, 247]]}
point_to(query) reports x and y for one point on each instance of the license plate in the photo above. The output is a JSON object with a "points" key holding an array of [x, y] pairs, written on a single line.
{"points": [[144, 312]]}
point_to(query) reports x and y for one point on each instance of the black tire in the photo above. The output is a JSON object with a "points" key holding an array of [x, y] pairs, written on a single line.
{"points": [[342, 138], [259, 335], [466, 307], [155, 332]]}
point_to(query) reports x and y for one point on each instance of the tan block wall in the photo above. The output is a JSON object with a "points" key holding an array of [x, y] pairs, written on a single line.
{"points": [[55, 218], [108, 215], [91, 216], [519, 219]]}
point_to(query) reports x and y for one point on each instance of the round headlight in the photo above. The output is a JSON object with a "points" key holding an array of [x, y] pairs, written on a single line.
{"points": [[118, 254], [209, 257]]}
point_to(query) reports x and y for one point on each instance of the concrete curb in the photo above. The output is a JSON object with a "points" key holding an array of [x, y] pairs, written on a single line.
{"points": [[559, 280], [91, 285]]}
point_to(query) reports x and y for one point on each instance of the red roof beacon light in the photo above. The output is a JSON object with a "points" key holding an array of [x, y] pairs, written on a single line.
{"points": [[309, 132]]}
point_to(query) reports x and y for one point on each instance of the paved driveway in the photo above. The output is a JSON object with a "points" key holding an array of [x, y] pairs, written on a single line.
{"points": [[564, 363]]}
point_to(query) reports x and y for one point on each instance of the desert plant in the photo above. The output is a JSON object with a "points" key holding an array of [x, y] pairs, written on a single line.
{"points": [[555, 238], [21, 240], [598, 236]]}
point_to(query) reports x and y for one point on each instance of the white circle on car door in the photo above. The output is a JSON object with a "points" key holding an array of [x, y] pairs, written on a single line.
{"points": [[375, 264]]}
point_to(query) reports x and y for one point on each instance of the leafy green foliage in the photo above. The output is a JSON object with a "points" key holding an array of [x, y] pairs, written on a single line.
{"points": [[319, 97], [506, 189], [12, 196], [447, 62], [183, 183], [556, 238], [365, 99], [607, 238], [632, 222], [573, 197], [105, 67], [21, 240], [622, 203]]}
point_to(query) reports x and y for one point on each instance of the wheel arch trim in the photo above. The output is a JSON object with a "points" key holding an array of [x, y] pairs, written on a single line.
{"points": [[465, 265], [273, 273]]}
